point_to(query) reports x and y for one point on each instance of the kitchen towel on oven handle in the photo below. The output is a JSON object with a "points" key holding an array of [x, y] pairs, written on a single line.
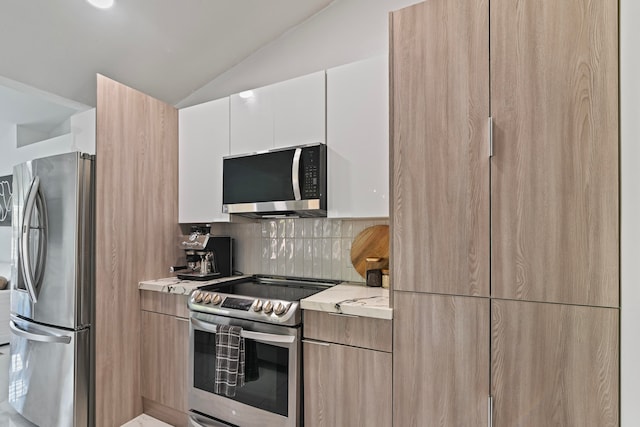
{"points": [[229, 360]]}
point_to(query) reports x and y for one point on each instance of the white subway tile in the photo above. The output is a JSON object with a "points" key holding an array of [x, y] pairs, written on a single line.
{"points": [[317, 257], [317, 227], [336, 228], [290, 228], [298, 228], [326, 227], [307, 228]]}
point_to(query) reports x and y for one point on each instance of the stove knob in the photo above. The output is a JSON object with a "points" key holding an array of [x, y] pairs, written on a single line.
{"points": [[216, 299], [268, 307], [207, 299], [257, 305], [197, 296], [280, 309]]}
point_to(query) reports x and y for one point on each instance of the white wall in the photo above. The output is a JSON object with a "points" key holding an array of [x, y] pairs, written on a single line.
{"points": [[346, 31], [82, 138], [630, 216]]}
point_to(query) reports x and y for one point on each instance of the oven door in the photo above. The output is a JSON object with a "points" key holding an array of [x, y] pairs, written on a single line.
{"points": [[270, 396]]}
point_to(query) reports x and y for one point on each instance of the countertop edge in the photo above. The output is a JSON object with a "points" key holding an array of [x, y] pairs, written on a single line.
{"points": [[351, 299]]}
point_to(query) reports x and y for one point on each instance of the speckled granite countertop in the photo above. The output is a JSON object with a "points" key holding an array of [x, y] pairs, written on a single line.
{"points": [[173, 285], [353, 299]]}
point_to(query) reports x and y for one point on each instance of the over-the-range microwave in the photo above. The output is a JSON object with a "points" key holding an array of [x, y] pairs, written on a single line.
{"points": [[281, 182]]}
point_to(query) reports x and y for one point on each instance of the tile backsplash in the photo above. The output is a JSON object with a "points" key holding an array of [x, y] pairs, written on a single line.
{"points": [[302, 247]]}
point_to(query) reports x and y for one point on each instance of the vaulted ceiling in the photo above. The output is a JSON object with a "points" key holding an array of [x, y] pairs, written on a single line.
{"points": [[166, 48]]}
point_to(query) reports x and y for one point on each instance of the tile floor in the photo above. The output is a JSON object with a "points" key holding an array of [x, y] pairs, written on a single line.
{"points": [[9, 417]]}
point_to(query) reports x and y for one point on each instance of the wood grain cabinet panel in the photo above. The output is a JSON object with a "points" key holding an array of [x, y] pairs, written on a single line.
{"points": [[161, 302], [439, 116], [136, 225], [440, 360], [554, 99], [365, 332], [346, 386], [554, 365], [165, 359]]}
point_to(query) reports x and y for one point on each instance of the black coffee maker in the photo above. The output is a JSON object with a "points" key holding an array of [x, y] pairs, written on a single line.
{"points": [[208, 257]]}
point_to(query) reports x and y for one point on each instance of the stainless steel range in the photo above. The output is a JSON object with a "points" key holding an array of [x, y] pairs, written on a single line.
{"points": [[268, 310]]}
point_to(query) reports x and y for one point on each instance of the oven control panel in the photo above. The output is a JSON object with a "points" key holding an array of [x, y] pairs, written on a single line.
{"points": [[274, 311]]}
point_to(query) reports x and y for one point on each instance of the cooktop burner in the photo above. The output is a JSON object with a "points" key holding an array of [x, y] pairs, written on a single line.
{"points": [[261, 298]]}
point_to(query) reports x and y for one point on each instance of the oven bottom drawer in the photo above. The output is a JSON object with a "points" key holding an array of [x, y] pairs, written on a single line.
{"points": [[234, 412]]}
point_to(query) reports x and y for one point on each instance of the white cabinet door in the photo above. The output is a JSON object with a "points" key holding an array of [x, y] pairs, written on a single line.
{"points": [[283, 114], [252, 121], [299, 110], [203, 142], [358, 139]]}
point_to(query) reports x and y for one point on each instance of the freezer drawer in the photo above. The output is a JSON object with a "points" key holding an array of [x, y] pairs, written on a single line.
{"points": [[49, 374]]}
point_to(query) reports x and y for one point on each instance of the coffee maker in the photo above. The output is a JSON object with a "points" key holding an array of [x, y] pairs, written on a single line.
{"points": [[208, 257]]}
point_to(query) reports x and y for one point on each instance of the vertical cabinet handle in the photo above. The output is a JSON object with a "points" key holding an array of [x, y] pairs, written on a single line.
{"points": [[490, 136], [490, 412]]}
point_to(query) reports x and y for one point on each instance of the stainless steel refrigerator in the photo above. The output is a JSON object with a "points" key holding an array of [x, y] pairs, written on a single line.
{"points": [[50, 374]]}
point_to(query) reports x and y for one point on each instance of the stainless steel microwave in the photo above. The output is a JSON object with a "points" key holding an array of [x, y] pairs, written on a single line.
{"points": [[288, 181]]}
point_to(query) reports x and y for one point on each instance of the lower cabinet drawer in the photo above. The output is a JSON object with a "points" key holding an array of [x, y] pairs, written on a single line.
{"points": [[346, 386], [355, 331]]}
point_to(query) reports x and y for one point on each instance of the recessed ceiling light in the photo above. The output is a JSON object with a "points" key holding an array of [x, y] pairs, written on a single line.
{"points": [[246, 94], [101, 4]]}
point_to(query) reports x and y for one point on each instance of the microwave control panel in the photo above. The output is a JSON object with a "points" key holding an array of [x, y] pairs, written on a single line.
{"points": [[311, 166]]}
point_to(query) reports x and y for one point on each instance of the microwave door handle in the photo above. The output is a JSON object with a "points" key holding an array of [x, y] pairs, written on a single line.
{"points": [[258, 336], [25, 239], [295, 174], [42, 337]]}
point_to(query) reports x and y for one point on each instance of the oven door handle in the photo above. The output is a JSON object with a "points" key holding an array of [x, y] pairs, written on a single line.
{"points": [[258, 336], [199, 422]]}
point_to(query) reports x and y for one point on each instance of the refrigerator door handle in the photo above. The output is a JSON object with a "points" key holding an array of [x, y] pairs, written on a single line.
{"points": [[44, 337], [34, 199]]}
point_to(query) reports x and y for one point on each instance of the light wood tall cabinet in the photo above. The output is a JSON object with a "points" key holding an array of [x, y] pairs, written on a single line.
{"points": [[554, 176], [440, 180], [517, 216], [136, 224], [554, 364], [441, 360]]}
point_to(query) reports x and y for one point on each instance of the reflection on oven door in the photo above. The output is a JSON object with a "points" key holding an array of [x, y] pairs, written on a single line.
{"points": [[270, 393]]}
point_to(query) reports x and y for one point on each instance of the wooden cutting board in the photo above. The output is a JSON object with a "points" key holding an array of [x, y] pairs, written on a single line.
{"points": [[372, 242]]}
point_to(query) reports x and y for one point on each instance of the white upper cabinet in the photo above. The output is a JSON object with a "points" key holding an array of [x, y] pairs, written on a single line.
{"points": [[299, 111], [358, 139], [252, 121], [279, 115], [203, 142]]}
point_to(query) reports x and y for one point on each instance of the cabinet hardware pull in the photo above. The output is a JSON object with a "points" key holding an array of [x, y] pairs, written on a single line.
{"points": [[490, 410], [341, 314], [324, 344], [490, 136]]}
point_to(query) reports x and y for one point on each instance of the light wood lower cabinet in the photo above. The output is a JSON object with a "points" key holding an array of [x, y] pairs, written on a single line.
{"points": [[554, 365], [441, 360], [346, 385], [164, 359]]}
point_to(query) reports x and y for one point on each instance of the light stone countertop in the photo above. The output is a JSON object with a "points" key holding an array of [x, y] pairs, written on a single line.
{"points": [[351, 298], [173, 285]]}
